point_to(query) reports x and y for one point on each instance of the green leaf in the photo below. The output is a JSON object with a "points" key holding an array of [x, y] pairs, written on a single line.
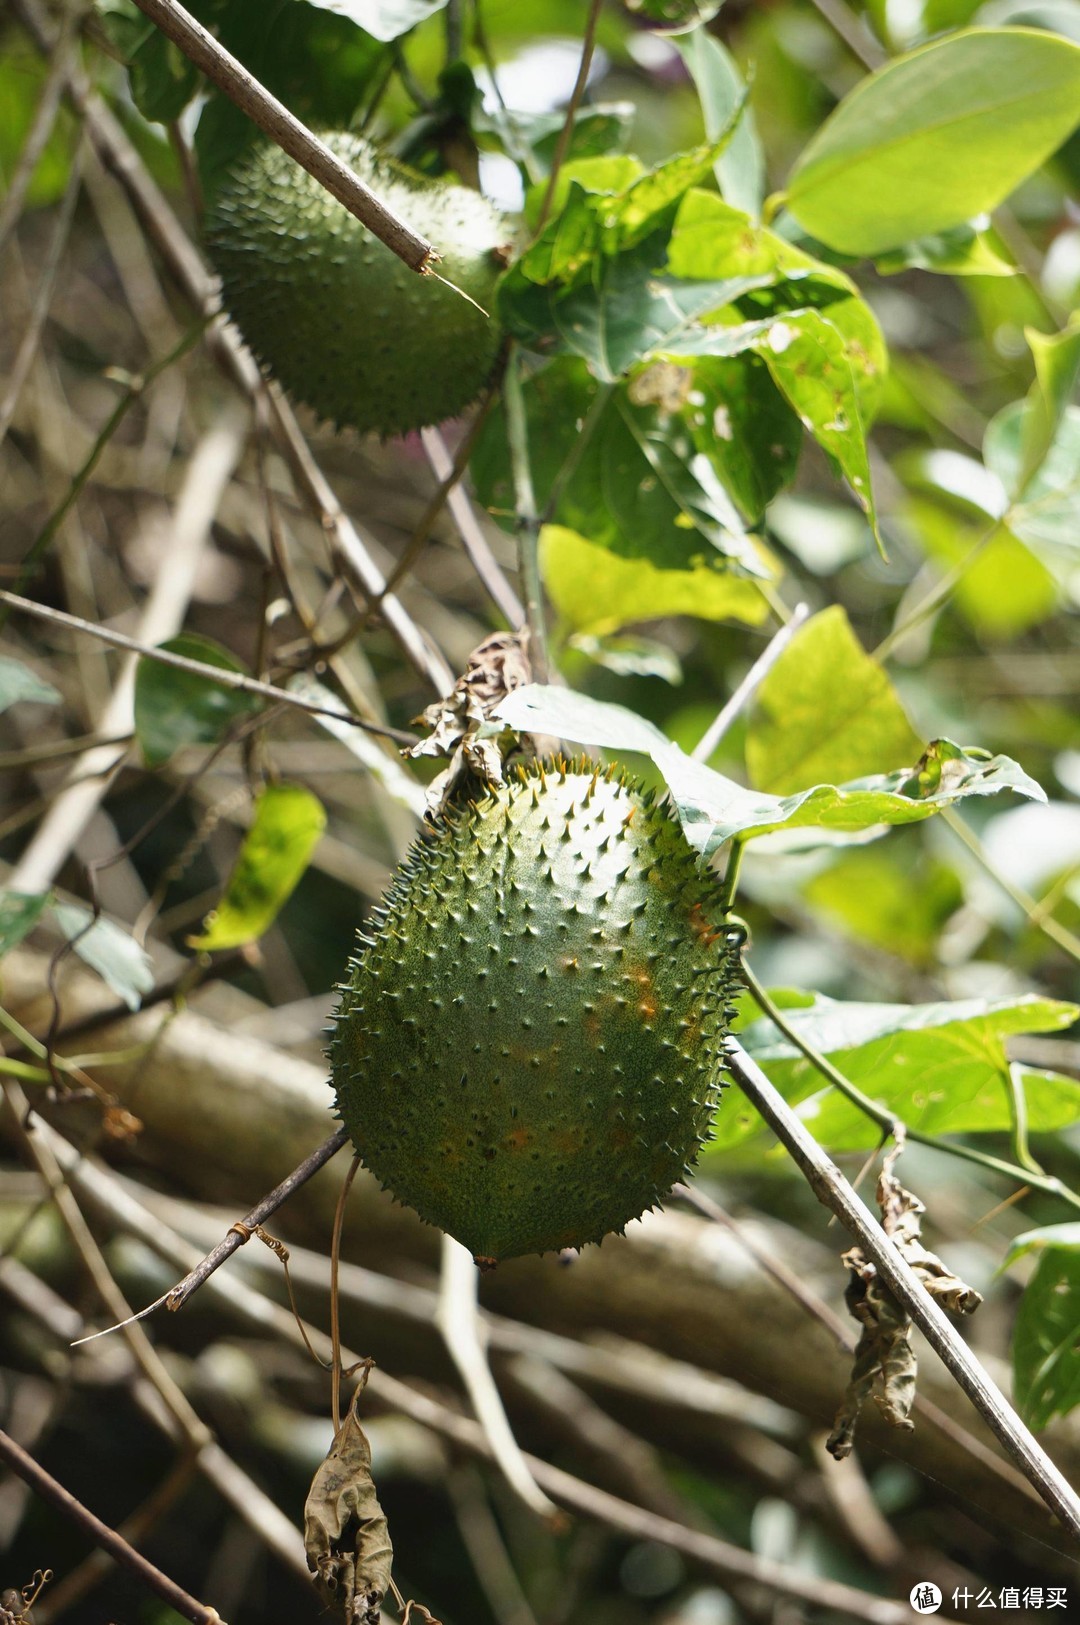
{"points": [[19, 913], [383, 19], [175, 708], [18, 682], [826, 712], [936, 137], [637, 487], [941, 1068], [284, 832], [674, 16], [744, 426], [1045, 511], [1065, 1236], [963, 251], [630, 656], [162, 79], [1046, 1340], [107, 949], [597, 591], [626, 312], [1057, 364], [712, 809], [740, 169]]}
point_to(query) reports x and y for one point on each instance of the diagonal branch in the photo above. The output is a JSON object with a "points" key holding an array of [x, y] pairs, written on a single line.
{"points": [[275, 120], [834, 1192], [43, 1484]]}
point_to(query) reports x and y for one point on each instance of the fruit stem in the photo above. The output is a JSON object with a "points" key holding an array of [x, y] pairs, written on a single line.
{"points": [[528, 524]]}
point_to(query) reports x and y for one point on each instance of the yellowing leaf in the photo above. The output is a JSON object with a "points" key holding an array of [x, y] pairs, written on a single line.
{"points": [[284, 832]]}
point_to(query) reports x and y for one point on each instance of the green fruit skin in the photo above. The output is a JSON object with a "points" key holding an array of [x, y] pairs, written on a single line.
{"points": [[333, 314], [528, 1049]]}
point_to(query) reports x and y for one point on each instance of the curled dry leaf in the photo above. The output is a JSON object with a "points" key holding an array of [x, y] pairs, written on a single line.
{"points": [[345, 1534], [461, 725], [884, 1362]]}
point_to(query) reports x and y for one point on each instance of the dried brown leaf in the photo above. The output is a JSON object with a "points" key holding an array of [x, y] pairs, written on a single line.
{"points": [[345, 1533], [460, 724]]}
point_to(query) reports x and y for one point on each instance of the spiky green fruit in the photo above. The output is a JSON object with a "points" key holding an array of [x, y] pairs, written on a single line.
{"points": [[333, 314], [528, 1047]]}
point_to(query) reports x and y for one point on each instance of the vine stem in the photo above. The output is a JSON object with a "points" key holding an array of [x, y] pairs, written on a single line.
{"points": [[528, 523], [565, 134], [275, 120], [887, 1120], [213, 674], [834, 1192], [44, 1485]]}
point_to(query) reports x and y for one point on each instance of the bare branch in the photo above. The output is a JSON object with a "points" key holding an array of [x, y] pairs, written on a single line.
{"points": [[100, 1533], [833, 1190], [274, 118], [749, 686], [213, 674]]}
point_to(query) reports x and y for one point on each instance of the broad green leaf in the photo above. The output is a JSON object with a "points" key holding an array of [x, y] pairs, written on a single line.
{"points": [[636, 487], [162, 79], [1004, 590], [284, 832], [626, 312], [712, 809], [744, 426], [810, 360], [117, 957], [827, 712], [1045, 510], [383, 19], [941, 1068], [18, 682], [1057, 364], [595, 590], [1064, 1236], [936, 137], [175, 708], [963, 251], [740, 169], [1046, 1339], [19, 913]]}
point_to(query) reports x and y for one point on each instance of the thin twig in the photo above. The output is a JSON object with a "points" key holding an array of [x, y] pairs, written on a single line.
{"points": [[134, 391], [562, 146], [447, 484], [473, 540], [43, 1484], [179, 1294], [834, 1191], [45, 286], [1033, 911], [168, 236], [213, 674], [527, 525], [284, 128], [335, 1315], [208, 474], [459, 1321], [750, 684], [37, 137]]}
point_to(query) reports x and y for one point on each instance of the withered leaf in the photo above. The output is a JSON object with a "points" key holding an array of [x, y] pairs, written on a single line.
{"points": [[460, 725], [884, 1362], [345, 1534]]}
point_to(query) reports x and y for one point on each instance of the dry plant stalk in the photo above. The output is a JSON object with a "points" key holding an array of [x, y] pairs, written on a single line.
{"points": [[884, 1363]]}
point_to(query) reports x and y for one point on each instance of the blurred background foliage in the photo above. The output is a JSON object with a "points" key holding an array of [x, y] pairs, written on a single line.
{"points": [[974, 622]]}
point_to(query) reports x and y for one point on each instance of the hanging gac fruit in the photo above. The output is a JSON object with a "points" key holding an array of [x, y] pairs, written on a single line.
{"points": [[528, 1045], [333, 314]]}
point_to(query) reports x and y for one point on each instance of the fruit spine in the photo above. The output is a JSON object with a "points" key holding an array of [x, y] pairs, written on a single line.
{"points": [[528, 1046], [333, 314]]}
